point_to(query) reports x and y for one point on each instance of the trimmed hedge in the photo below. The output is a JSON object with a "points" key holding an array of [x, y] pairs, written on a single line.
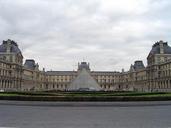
{"points": [[102, 93], [85, 98]]}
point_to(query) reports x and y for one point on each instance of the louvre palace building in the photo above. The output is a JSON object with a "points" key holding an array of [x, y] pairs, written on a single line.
{"points": [[16, 75]]}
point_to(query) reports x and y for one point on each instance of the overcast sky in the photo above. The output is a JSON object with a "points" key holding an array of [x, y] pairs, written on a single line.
{"points": [[110, 34]]}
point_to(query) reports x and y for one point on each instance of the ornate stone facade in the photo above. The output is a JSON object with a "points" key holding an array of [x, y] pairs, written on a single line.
{"points": [[16, 76], [11, 68]]}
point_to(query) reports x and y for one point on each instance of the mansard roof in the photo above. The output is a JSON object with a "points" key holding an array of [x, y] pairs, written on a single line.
{"points": [[30, 64], [14, 46], [61, 73], [138, 65], [84, 65], [156, 48]]}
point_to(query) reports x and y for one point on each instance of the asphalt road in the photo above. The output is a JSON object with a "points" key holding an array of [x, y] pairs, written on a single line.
{"points": [[26, 114]]}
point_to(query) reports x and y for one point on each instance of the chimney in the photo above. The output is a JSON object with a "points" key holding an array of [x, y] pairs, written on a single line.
{"points": [[161, 47], [123, 70], [37, 66], [43, 69], [8, 46]]}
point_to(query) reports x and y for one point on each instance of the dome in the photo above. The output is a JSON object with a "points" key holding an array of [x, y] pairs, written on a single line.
{"points": [[13, 46]]}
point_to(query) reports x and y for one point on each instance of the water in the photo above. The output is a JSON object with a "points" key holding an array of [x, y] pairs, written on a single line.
{"points": [[85, 115]]}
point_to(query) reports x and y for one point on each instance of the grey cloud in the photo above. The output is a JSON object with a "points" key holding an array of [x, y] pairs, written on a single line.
{"points": [[60, 33]]}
